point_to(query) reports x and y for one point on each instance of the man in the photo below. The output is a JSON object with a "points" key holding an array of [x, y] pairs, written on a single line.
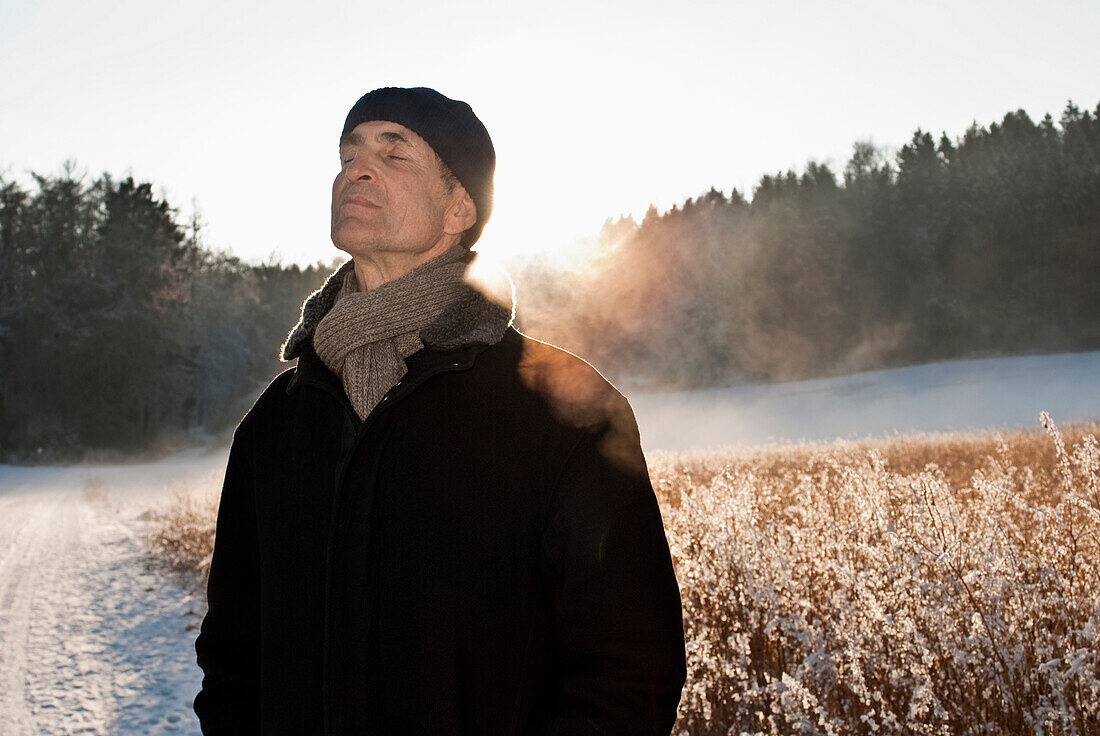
{"points": [[433, 524]]}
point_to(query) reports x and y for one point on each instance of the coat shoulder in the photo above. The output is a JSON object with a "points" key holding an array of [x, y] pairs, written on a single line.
{"points": [[564, 378], [271, 399], [577, 393]]}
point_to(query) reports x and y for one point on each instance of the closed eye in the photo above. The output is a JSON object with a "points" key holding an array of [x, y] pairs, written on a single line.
{"points": [[397, 158]]}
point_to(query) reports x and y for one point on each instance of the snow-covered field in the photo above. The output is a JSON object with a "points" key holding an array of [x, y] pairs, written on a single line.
{"points": [[959, 395], [91, 643]]}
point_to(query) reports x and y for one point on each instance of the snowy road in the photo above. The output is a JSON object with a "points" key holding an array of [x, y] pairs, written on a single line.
{"points": [[90, 642]]}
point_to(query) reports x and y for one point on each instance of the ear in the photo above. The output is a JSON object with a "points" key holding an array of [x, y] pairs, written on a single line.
{"points": [[462, 214]]}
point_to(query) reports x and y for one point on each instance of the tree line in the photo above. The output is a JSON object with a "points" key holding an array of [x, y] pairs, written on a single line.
{"points": [[985, 244], [121, 331]]}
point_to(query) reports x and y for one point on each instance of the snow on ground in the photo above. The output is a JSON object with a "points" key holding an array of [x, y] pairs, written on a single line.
{"points": [[91, 643], [959, 395]]}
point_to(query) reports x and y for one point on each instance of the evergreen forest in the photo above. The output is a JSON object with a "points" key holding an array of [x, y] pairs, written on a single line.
{"points": [[121, 332], [987, 244]]}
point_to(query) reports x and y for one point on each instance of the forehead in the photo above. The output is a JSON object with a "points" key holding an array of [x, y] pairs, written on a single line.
{"points": [[382, 131]]}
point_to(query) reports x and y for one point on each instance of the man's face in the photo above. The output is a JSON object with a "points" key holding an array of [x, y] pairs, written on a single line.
{"points": [[389, 195]]}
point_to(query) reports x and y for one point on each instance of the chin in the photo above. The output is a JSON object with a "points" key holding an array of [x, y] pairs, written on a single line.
{"points": [[352, 238]]}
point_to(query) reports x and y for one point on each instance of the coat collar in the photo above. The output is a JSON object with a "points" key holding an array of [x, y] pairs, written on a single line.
{"points": [[451, 343], [311, 370]]}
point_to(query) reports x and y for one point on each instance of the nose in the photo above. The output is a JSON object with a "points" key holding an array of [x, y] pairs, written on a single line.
{"points": [[361, 167]]}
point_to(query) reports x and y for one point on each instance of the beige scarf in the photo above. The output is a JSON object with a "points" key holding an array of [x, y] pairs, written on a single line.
{"points": [[366, 335]]}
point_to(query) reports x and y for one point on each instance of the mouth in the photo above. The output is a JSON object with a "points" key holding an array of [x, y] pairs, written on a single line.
{"points": [[360, 202]]}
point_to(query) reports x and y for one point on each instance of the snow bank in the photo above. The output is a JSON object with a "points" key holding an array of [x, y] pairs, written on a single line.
{"points": [[990, 393]]}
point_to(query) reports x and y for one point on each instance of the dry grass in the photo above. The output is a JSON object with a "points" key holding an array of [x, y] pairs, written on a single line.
{"points": [[957, 454], [929, 584], [181, 535]]}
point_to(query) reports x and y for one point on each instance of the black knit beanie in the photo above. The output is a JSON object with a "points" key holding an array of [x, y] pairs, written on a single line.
{"points": [[449, 127]]}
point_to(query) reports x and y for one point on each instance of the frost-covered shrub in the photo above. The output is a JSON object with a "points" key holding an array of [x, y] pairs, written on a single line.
{"points": [[833, 595], [180, 537]]}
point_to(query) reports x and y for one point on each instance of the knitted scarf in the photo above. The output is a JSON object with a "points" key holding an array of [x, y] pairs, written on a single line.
{"points": [[365, 336]]}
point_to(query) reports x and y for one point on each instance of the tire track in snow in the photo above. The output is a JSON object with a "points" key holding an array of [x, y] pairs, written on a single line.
{"points": [[90, 641], [23, 528]]}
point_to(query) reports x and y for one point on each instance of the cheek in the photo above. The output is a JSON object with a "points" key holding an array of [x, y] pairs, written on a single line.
{"points": [[430, 206], [337, 187]]}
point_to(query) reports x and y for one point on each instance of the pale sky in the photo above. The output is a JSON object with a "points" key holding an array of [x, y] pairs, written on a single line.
{"points": [[595, 109]]}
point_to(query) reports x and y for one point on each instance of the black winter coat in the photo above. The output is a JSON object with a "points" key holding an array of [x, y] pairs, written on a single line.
{"points": [[483, 555]]}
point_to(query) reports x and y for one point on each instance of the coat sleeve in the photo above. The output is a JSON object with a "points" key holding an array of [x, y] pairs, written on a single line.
{"points": [[228, 645], [619, 641]]}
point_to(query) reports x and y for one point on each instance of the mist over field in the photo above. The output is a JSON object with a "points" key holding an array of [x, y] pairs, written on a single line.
{"points": [[956, 246], [956, 396]]}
